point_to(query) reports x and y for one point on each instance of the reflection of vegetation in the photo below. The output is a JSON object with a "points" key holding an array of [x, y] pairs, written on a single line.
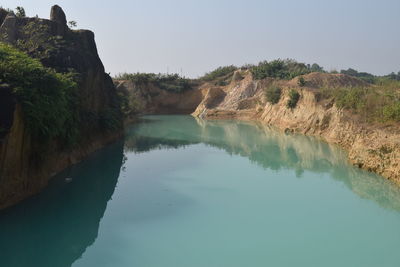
{"points": [[140, 144], [265, 147]]}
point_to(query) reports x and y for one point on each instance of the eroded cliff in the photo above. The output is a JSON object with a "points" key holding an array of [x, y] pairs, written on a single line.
{"points": [[25, 163], [372, 147]]}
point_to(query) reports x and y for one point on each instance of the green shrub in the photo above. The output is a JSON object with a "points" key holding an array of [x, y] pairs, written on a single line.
{"points": [[48, 99], [392, 112], [20, 12], [281, 69], [301, 82], [273, 94], [294, 97], [219, 72], [350, 98]]}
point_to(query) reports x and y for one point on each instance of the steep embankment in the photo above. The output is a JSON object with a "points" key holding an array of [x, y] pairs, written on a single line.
{"points": [[149, 98], [372, 147], [27, 163]]}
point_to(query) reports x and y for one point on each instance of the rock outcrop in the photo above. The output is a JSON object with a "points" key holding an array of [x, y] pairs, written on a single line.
{"points": [[25, 165], [58, 15]]}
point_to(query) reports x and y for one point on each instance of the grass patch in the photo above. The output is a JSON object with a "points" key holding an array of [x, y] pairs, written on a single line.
{"points": [[376, 103]]}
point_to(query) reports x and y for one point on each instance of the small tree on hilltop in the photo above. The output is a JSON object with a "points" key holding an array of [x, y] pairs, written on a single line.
{"points": [[72, 24], [20, 12]]}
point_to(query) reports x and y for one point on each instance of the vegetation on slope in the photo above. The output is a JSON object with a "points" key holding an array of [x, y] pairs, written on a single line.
{"points": [[273, 94], [294, 97], [375, 103], [48, 98]]}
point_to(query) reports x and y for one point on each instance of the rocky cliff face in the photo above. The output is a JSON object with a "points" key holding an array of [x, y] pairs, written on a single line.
{"points": [[25, 166], [151, 99], [370, 147]]}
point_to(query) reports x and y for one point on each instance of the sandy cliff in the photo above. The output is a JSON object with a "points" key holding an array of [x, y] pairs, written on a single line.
{"points": [[371, 147], [151, 99]]}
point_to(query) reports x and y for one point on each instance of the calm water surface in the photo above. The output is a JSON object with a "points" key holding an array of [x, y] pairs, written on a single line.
{"points": [[181, 192]]}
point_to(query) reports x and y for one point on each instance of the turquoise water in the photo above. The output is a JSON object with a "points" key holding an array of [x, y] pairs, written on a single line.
{"points": [[181, 192]]}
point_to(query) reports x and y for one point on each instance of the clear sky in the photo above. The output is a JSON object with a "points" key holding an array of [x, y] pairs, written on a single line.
{"points": [[198, 36]]}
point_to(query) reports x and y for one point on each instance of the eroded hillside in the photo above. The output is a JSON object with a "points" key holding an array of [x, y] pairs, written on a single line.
{"points": [[317, 111]]}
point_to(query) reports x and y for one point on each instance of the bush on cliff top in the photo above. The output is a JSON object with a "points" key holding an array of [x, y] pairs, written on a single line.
{"points": [[281, 69], [48, 98], [168, 82]]}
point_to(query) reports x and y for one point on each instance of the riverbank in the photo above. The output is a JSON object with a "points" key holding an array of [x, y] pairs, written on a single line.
{"points": [[373, 147]]}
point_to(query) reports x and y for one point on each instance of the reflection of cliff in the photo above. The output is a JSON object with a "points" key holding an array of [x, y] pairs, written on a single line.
{"points": [[71, 211], [264, 146]]}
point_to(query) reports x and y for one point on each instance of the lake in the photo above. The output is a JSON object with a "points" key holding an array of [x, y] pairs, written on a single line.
{"points": [[184, 192]]}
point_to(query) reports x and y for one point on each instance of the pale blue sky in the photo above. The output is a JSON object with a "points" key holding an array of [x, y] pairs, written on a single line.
{"points": [[198, 36]]}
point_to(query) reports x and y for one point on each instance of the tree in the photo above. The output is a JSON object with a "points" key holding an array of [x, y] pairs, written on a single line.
{"points": [[350, 72], [72, 24], [20, 12], [316, 68]]}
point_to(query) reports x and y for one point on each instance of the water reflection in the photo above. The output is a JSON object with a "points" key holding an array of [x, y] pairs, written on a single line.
{"points": [[54, 228], [265, 147]]}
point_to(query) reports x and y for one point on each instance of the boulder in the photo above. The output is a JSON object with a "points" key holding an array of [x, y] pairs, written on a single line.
{"points": [[58, 15]]}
